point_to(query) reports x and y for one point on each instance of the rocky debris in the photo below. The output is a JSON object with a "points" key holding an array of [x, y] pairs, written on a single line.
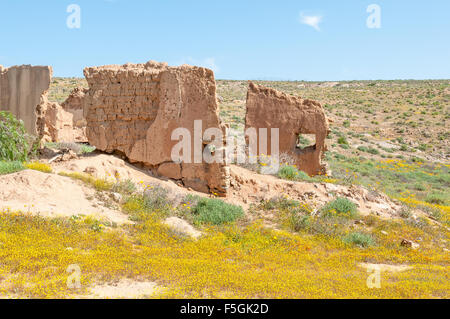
{"points": [[48, 152], [74, 104], [269, 108], [63, 155], [133, 109], [117, 197], [21, 88], [182, 226], [409, 244]]}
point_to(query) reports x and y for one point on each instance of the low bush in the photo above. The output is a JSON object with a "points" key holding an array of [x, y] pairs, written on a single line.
{"points": [[78, 148], [216, 212], [298, 222], [278, 203], [153, 201], [288, 172], [10, 167], [359, 239], [126, 187], [291, 173], [342, 140], [341, 206], [436, 198], [13, 138]]}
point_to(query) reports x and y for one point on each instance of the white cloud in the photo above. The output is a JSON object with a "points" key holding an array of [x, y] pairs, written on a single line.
{"points": [[209, 63], [312, 21]]}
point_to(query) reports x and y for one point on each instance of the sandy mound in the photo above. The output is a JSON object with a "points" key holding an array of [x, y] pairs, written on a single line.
{"points": [[51, 195], [110, 166], [247, 187], [125, 289]]}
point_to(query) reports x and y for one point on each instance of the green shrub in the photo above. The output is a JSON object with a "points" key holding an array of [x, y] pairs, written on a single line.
{"points": [[13, 138], [370, 150], [78, 148], [297, 222], [10, 167], [341, 206], [152, 201], [288, 172], [126, 187], [359, 239], [342, 140], [436, 198], [216, 212], [292, 173], [278, 203]]}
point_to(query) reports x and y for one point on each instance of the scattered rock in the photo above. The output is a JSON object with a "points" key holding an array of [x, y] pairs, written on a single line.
{"points": [[90, 170], [409, 244], [116, 197]]}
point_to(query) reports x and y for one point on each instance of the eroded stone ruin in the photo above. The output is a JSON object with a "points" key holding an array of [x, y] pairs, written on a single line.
{"points": [[269, 108], [23, 92], [133, 109], [21, 88]]}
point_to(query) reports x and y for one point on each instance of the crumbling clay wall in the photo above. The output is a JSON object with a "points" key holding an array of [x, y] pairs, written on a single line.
{"points": [[134, 108], [21, 88], [74, 104], [54, 124], [23, 92], [269, 108]]}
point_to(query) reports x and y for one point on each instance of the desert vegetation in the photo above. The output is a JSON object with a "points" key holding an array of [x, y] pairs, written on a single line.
{"points": [[389, 137]]}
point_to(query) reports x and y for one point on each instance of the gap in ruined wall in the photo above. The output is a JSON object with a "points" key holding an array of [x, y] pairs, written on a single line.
{"points": [[306, 141], [61, 88]]}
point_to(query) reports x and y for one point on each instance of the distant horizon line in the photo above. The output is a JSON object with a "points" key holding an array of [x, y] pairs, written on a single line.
{"points": [[285, 80], [269, 79]]}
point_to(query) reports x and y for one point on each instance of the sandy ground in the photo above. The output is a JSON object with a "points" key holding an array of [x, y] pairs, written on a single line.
{"points": [[124, 289], [55, 195], [51, 195]]}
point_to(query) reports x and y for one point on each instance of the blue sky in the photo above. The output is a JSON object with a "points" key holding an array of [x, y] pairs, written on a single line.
{"points": [[245, 39]]}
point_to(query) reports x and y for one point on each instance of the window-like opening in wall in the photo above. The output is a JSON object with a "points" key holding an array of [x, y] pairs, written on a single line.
{"points": [[306, 141]]}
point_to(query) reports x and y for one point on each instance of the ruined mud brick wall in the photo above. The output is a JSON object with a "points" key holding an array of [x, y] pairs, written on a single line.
{"points": [[134, 108], [53, 123], [269, 108], [74, 104], [21, 88], [23, 92]]}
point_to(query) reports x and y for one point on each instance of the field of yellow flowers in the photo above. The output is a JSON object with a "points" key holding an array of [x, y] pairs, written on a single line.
{"points": [[228, 261]]}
